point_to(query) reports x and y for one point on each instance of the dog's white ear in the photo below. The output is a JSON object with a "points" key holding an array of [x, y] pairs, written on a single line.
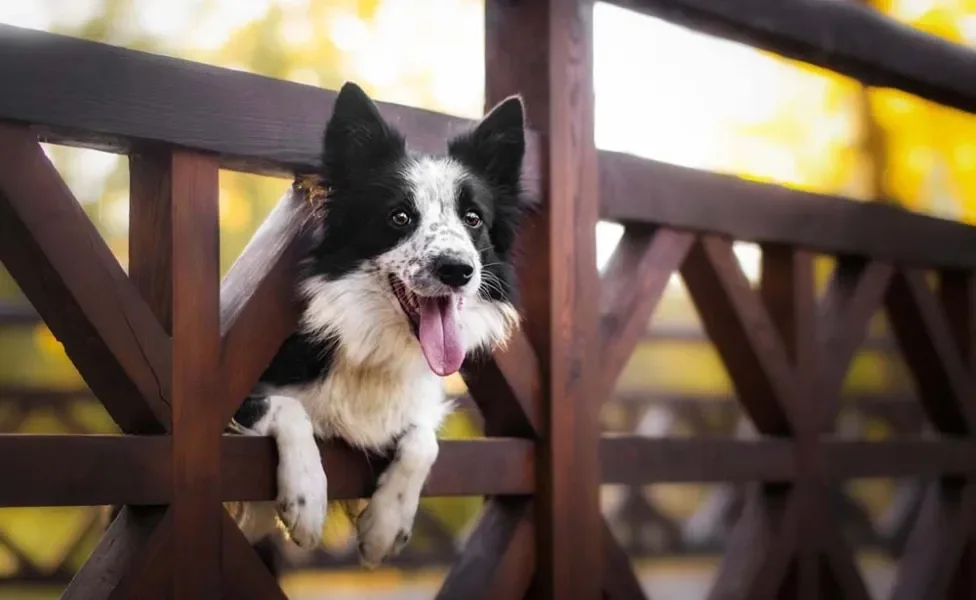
{"points": [[496, 145], [357, 138]]}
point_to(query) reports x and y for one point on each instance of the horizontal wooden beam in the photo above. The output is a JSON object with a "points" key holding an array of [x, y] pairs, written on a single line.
{"points": [[921, 458], [91, 470], [848, 37], [643, 460], [90, 94], [634, 189]]}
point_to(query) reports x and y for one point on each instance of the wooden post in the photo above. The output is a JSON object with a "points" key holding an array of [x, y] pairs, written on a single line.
{"points": [[543, 51]]}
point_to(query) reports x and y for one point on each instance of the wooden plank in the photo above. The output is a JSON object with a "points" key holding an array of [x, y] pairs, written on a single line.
{"points": [[849, 37], [110, 97], [94, 470], [495, 466], [71, 277], [636, 190], [498, 558], [150, 572], [922, 458], [197, 424], [930, 350], [744, 335], [84, 470], [619, 580], [787, 290], [507, 388], [135, 540], [543, 51], [258, 308], [632, 285], [644, 460], [856, 292], [244, 575], [762, 547], [263, 125]]}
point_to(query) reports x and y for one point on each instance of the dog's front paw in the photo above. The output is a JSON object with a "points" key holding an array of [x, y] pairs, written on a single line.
{"points": [[385, 526], [302, 497]]}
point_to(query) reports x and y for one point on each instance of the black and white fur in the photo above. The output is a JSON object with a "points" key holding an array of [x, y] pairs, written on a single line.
{"points": [[435, 225]]}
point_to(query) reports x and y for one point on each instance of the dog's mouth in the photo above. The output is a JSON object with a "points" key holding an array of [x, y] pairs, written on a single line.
{"points": [[436, 323]]}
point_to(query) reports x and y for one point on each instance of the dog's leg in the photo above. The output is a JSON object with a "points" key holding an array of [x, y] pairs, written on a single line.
{"points": [[385, 526], [302, 487]]}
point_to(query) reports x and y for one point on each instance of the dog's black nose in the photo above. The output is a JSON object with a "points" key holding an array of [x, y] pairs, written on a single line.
{"points": [[452, 271]]}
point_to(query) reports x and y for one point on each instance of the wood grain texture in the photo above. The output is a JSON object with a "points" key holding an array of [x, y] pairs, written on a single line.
{"points": [[197, 424], [71, 277], [543, 50]]}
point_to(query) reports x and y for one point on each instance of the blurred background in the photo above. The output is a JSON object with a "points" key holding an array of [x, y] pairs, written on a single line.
{"points": [[694, 101]]}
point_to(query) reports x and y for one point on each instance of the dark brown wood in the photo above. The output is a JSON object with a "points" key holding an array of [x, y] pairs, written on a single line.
{"points": [[257, 297], [197, 424], [136, 543], [843, 576], [70, 276], [498, 558], [244, 575], [93, 470], [632, 285], [930, 350], [856, 292], [761, 548], [151, 232], [619, 580], [643, 460], [636, 190], [543, 50], [848, 37], [150, 572], [84, 470], [506, 388], [924, 458], [744, 335]]}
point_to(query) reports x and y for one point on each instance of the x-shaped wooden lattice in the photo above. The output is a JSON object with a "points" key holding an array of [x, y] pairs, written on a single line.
{"points": [[787, 359], [168, 349]]}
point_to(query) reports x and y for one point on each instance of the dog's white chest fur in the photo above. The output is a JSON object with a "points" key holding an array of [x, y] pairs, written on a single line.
{"points": [[368, 406]]}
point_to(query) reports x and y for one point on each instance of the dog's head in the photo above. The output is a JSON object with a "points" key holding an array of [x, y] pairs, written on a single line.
{"points": [[417, 247]]}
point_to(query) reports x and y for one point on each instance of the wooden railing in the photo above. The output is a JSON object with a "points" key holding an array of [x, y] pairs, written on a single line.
{"points": [[170, 350]]}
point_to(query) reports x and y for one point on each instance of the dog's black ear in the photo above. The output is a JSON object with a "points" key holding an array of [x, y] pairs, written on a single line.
{"points": [[495, 147], [357, 138]]}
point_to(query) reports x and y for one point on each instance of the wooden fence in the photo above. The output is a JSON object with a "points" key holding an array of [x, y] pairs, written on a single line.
{"points": [[170, 350]]}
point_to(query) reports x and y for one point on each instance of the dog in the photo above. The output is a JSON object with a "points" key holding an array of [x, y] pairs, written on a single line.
{"points": [[408, 274]]}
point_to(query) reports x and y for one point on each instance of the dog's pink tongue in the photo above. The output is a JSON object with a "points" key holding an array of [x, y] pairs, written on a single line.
{"points": [[440, 335]]}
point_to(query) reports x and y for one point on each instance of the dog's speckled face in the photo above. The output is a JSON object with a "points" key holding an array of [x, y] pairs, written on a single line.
{"points": [[416, 243]]}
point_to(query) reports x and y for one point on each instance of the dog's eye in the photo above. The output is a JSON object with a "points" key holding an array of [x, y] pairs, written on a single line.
{"points": [[400, 219], [472, 219]]}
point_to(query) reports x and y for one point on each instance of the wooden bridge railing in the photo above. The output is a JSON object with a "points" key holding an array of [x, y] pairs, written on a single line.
{"points": [[170, 350]]}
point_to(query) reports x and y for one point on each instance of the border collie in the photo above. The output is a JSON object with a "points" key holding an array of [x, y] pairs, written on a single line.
{"points": [[409, 271]]}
